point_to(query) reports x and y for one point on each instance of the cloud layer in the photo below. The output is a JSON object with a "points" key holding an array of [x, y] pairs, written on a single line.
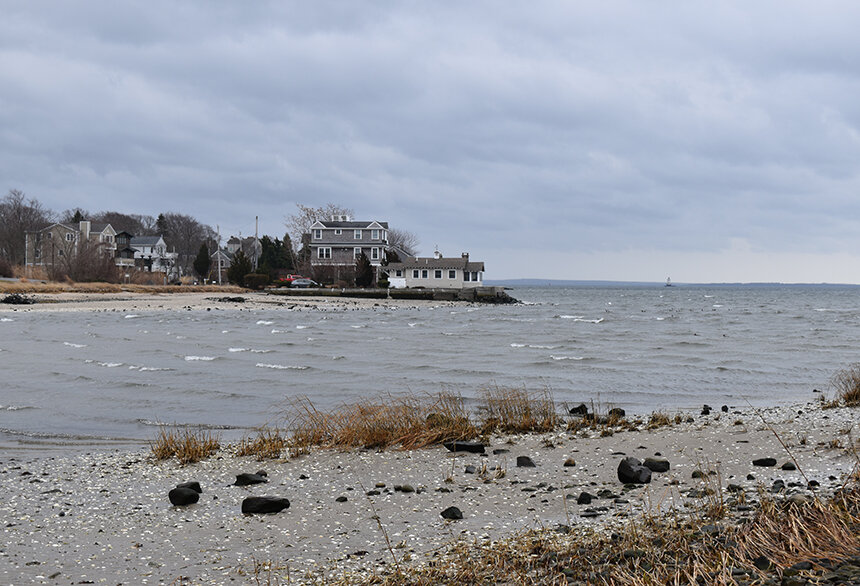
{"points": [[619, 140]]}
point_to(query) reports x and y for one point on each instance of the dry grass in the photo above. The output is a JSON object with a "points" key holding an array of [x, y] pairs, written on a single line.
{"points": [[269, 444], [25, 286], [515, 410], [846, 383], [188, 445]]}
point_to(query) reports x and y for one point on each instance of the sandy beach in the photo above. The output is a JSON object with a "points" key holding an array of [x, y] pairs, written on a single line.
{"points": [[104, 517]]}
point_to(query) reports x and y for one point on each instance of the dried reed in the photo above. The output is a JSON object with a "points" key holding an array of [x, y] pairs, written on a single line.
{"points": [[188, 445]]}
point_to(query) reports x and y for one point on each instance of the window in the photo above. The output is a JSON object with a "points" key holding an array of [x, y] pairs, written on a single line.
{"points": [[414, 273], [466, 276], [437, 274], [452, 274], [70, 237], [357, 234], [60, 252], [317, 234], [324, 252], [374, 253], [38, 253], [398, 273], [424, 273], [374, 234], [356, 252], [475, 277], [338, 232]]}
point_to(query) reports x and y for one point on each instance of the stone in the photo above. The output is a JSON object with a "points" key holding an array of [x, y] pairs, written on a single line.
{"points": [[656, 464], [789, 466], [525, 462], [580, 409], [500, 451], [569, 463], [194, 485], [631, 471], [461, 446], [724, 408], [341, 499], [762, 563], [247, 479], [798, 499], [452, 514], [260, 505], [470, 469], [764, 462], [403, 488], [585, 498], [181, 497], [617, 413]]}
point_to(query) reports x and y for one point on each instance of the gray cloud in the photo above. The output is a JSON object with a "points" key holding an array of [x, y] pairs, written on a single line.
{"points": [[557, 131]]}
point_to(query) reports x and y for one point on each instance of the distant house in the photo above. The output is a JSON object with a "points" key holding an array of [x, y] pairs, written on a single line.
{"points": [[250, 247], [124, 251], [53, 244], [339, 241], [436, 272], [150, 254]]}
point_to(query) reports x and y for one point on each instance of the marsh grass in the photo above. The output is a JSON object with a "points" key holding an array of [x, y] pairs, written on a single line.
{"points": [[187, 445], [269, 444], [25, 286], [846, 383], [516, 410]]}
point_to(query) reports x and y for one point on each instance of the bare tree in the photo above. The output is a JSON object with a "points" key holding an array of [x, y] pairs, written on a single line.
{"points": [[301, 222], [17, 216], [82, 261], [134, 224], [184, 234], [403, 240]]}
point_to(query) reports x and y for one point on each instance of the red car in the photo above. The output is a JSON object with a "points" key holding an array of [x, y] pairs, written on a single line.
{"points": [[288, 280]]}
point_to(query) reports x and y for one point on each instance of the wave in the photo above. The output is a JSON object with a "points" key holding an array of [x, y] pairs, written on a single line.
{"points": [[554, 357], [105, 364], [581, 318], [131, 316], [251, 350], [535, 346], [302, 327], [201, 358], [150, 368], [281, 366], [263, 322], [151, 423], [16, 407], [6, 319], [71, 345]]}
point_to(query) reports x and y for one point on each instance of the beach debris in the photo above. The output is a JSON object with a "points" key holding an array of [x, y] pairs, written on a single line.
{"points": [[464, 446], [764, 462], [525, 462], [246, 479], [182, 496], [258, 505], [227, 299], [452, 514], [656, 464], [631, 471], [500, 451]]}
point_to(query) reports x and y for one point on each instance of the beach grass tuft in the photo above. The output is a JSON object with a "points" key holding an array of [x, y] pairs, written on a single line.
{"points": [[846, 383], [269, 444], [187, 445]]}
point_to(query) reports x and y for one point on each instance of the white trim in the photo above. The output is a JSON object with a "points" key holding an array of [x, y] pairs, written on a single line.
{"points": [[324, 252], [356, 252], [374, 253], [356, 234], [317, 234]]}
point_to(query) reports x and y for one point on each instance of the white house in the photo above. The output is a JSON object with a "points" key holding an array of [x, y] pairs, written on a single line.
{"points": [[436, 272]]}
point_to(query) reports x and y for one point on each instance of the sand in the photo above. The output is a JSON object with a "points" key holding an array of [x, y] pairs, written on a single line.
{"points": [[105, 516]]}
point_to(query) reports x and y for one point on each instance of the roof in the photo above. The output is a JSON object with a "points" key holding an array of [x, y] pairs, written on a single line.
{"points": [[145, 240], [455, 262], [351, 225]]}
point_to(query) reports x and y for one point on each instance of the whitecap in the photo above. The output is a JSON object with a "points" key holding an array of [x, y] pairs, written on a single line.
{"points": [[203, 358], [15, 407], [238, 349], [571, 316], [338, 357], [110, 364], [413, 324], [302, 327], [281, 366], [131, 316], [565, 357], [357, 327], [515, 345], [542, 347], [74, 345], [153, 369], [6, 319], [717, 305], [263, 322]]}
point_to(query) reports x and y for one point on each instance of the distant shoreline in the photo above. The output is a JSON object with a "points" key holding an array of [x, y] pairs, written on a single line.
{"points": [[656, 284]]}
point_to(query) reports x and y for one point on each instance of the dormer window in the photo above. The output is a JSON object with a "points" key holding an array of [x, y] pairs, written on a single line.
{"points": [[338, 232], [317, 234], [374, 234]]}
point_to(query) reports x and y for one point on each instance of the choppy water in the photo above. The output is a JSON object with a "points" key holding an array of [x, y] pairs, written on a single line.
{"points": [[80, 376]]}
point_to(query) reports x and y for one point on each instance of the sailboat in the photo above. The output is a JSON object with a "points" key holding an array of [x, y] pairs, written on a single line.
{"points": [[668, 282]]}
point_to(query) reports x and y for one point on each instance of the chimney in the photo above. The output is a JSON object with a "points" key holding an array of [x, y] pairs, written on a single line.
{"points": [[465, 255], [437, 255], [85, 230]]}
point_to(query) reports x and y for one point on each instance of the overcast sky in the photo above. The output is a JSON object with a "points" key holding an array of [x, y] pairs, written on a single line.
{"points": [[572, 140]]}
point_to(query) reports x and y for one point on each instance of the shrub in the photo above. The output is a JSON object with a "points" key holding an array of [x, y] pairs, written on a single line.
{"points": [[5, 268], [256, 280]]}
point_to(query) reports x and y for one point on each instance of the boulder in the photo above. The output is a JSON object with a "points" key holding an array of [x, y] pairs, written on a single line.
{"points": [[765, 462], [246, 479], [525, 462], [585, 498], [193, 485], [181, 497], [461, 446], [256, 505], [617, 413], [452, 514], [656, 464], [580, 409], [631, 471]]}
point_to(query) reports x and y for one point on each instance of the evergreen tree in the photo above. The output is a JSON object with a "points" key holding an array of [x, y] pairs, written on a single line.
{"points": [[161, 226], [78, 217], [289, 262], [363, 271], [202, 262], [240, 267]]}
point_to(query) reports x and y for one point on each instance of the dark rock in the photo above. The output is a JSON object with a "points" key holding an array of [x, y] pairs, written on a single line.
{"points": [[762, 563], [617, 413], [499, 451], [802, 566], [183, 496], [569, 463], [256, 505], [470, 469], [584, 498], [193, 485], [17, 299], [525, 462], [697, 474], [341, 499], [452, 514], [724, 408], [706, 410], [765, 462], [631, 470], [372, 493], [264, 473], [403, 488], [789, 466], [580, 409], [656, 464], [461, 446], [246, 479]]}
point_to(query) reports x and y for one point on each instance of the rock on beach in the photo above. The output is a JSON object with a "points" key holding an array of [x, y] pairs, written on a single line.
{"points": [[631, 471], [256, 505]]}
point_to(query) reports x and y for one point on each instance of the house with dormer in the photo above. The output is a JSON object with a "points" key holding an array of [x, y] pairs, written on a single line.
{"points": [[340, 241], [55, 243]]}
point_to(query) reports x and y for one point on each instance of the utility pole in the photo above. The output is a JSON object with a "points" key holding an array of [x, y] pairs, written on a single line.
{"points": [[218, 252]]}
